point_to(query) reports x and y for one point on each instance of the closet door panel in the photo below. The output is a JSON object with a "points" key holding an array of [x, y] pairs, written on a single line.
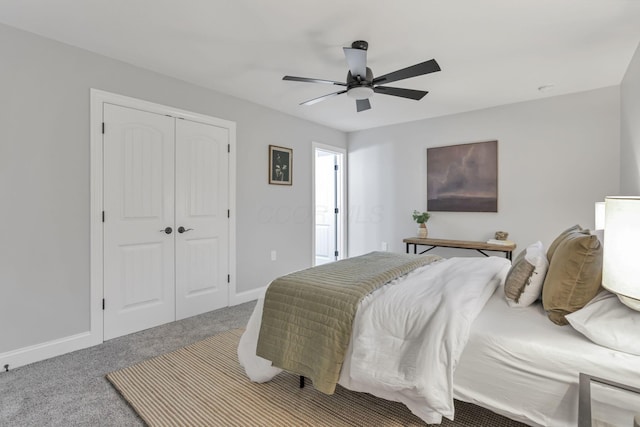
{"points": [[202, 184], [139, 206]]}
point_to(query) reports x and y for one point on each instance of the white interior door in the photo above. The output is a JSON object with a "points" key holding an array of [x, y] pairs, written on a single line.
{"points": [[202, 225], [325, 206], [139, 288], [329, 201]]}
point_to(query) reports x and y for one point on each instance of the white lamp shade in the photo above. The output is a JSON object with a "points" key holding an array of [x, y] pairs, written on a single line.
{"points": [[621, 268], [600, 216]]}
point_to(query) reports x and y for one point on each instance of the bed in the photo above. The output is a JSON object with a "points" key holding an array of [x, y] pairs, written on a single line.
{"points": [[519, 364], [503, 356]]}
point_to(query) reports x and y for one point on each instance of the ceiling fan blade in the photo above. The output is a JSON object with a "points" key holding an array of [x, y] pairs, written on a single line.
{"points": [[362, 104], [357, 61], [401, 92], [426, 67], [308, 80], [321, 98]]}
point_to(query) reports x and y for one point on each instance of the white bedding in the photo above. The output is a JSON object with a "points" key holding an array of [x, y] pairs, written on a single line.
{"points": [[518, 363], [407, 336]]}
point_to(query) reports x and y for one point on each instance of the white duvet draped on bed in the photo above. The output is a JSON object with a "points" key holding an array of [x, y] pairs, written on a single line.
{"points": [[407, 336]]}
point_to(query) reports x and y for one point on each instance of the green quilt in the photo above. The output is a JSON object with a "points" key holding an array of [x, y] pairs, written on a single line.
{"points": [[308, 315]]}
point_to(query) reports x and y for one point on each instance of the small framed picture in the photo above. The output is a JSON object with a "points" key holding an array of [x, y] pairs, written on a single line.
{"points": [[280, 162]]}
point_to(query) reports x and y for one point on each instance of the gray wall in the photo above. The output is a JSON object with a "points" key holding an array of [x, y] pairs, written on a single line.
{"points": [[557, 156], [44, 181], [630, 129]]}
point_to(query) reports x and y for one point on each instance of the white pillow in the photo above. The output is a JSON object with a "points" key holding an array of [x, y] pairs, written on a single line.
{"points": [[609, 323], [523, 284]]}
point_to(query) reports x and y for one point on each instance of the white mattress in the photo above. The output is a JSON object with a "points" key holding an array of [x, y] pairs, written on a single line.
{"points": [[519, 364]]}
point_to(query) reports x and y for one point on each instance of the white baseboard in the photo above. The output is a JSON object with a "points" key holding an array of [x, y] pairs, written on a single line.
{"points": [[247, 296], [35, 353]]}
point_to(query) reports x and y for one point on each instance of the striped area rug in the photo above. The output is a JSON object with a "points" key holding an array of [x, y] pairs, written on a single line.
{"points": [[203, 385]]}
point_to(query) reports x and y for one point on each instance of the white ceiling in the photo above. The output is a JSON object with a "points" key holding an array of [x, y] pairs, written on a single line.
{"points": [[492, 52]]}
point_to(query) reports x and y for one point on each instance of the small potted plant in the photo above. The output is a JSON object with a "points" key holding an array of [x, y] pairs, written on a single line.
{"points": [[421, 218]]}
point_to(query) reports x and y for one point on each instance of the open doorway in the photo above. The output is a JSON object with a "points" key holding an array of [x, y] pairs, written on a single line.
{"points": [[329, 204]]}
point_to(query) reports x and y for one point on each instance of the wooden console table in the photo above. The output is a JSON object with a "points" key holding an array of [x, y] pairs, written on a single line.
{"points": [[458, 244]]}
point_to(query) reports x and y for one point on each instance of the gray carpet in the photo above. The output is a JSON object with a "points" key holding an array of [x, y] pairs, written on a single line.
{"points": [[71, 390]]}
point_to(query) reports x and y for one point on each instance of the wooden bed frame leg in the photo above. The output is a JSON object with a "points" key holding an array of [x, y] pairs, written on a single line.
{"points": [[301, 381]]}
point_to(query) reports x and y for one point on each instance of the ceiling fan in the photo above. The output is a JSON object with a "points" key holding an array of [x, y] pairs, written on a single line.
{"points": [[361, 84]]}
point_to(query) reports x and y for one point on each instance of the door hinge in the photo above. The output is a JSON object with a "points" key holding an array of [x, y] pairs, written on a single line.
{"points": [[228, 148], [228, 213], [228, 278], [103, 128], [103, 303], [102, 216], [336, 254], [335, 167], [335, 211]]}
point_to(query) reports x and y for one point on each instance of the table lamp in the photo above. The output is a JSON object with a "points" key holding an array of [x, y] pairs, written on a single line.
{"points": [[621, 269]]}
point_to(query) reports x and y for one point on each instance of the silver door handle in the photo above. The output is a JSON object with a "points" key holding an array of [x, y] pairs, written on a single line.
{"points": [[181, 229]]}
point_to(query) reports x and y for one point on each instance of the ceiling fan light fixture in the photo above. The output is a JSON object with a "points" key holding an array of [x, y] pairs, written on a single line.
{"points": [[360, 83], [360, 92]]}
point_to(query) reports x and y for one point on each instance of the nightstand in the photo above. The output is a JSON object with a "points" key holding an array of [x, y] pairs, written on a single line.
{"points": [[612, 394]]}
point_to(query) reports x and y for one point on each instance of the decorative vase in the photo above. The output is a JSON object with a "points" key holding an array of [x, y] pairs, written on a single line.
{"points": [[422, 231]]}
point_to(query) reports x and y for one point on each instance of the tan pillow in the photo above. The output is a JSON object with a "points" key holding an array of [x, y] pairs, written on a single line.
{"points": [[523, 284], [560, 239], [517, 278], [574, 276]]}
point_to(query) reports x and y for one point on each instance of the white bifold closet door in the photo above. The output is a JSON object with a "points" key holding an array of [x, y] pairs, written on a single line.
{"points": [[166, 226]]}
